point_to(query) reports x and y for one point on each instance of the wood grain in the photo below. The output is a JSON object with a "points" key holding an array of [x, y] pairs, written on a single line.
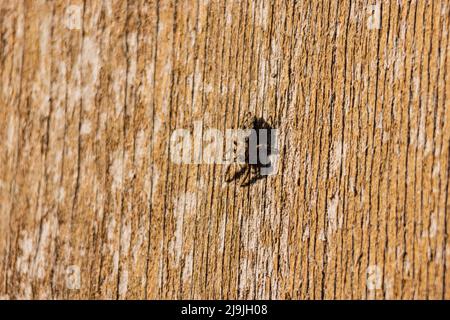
{"points": [[91, 206]]}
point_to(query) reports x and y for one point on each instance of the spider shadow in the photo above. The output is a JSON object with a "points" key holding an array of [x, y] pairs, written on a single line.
{"points": [[242, 172], [253, 180]]}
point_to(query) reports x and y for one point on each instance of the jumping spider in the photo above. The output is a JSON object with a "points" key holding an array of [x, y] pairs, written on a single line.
{"points": [[252, 165]]}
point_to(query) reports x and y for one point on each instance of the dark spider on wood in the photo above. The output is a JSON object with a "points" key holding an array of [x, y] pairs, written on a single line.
{"points": [[253, 160]]}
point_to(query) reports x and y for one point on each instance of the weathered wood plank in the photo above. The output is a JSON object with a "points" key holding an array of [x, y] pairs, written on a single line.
{"points": [[92, 206]]}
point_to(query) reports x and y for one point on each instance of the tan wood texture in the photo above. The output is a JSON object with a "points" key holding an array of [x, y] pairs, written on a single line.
{"points": [[91, 205]]}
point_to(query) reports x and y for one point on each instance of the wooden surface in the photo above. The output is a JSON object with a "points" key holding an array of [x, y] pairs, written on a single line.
{"points": [[91, 206]]}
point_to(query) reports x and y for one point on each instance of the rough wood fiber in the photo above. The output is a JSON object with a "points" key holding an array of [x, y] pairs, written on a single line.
{"points": [[91, 91]]}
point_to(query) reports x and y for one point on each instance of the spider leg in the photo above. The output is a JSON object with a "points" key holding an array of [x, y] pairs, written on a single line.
{"points": [[246, 177], [270, 120], [231, 152], [248, 119], [237, 155]]}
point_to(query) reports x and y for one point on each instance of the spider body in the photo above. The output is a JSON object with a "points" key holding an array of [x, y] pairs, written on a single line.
{"points": [[253, 160]]}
